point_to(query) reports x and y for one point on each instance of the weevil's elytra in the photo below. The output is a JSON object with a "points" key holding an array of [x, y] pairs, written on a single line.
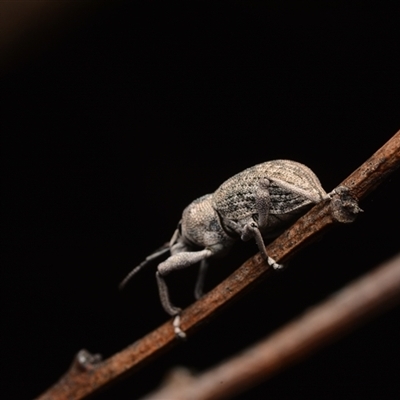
{"points": [[291, 186], [258, 202]]}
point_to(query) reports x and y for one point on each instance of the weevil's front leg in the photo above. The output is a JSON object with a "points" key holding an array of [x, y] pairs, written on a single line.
{"points": [[173, 263], [249, 231], [252, 228], [261, 246]]}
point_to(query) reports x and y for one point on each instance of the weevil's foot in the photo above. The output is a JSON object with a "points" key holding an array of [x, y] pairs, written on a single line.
{"points": [[86, 360], [198, 294], [274, 264], [177, 328]]}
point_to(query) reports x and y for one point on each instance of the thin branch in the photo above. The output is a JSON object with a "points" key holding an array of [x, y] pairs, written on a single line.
{"points": [[347, 309], [85, 377]]}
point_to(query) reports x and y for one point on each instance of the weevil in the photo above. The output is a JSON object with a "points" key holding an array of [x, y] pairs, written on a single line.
{"points": [[259, 202]]}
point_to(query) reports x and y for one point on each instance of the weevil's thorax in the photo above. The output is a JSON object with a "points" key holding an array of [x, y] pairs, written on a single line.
{"points": [[201, 225]]}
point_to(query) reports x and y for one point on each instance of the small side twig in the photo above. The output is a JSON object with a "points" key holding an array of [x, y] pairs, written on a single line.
{"points": [[78, 383], [347, 309]]}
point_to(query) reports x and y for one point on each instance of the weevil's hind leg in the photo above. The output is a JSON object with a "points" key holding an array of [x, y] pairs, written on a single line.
{"points": [[162, 250], [176, 262], [164, 296], [199, 288]]}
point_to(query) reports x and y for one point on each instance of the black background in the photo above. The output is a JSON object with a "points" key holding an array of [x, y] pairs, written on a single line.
{"points": [[133, 112]]}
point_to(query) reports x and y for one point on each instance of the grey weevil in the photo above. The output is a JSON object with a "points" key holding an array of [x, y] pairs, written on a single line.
{"points": [[260, 201]]}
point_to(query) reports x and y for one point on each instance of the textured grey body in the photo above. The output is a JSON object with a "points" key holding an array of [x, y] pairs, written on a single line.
{"points": [[283, 188], [257, 202], [201, 226]]}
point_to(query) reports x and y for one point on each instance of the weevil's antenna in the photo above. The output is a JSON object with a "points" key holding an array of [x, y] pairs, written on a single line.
{"points": [[162, 250]]}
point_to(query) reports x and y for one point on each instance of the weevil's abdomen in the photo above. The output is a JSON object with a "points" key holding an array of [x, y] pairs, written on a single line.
{"points": [[291, 187], [294, 174]]}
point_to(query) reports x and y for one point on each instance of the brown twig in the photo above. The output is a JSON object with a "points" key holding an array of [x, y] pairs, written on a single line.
{"points": [[85, 378], [347, 309]]}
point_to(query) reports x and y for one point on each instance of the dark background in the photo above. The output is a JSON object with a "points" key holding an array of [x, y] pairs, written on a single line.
{"points": [[129, 113]]}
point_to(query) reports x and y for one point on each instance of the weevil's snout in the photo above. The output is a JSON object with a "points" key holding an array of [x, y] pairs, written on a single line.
{"points": [[344, 205]]}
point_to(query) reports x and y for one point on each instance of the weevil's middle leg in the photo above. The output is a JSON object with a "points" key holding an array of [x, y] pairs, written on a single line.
{"points": [[199, 288]]}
